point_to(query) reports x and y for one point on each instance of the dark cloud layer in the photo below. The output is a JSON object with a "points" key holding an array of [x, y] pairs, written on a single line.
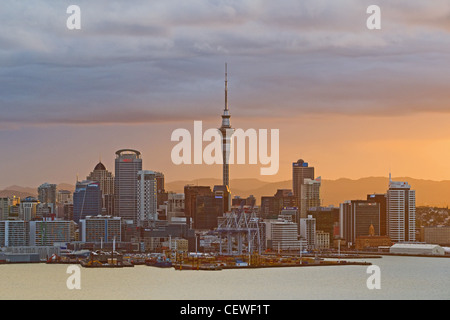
{"points": [[153, 61]]}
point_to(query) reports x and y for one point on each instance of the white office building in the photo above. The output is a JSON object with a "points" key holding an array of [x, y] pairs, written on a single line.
{"points": [[283, 235], [308, 231], [401, 212]]}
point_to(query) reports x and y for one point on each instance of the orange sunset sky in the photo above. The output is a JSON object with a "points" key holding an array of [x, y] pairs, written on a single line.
{"points": [[350, 101]]}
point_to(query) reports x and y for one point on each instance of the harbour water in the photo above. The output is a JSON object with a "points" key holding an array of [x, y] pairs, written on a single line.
{"points": [[400, 278]]}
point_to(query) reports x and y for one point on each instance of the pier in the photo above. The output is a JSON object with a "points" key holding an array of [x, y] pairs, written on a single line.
{"points": [[256, 261]]}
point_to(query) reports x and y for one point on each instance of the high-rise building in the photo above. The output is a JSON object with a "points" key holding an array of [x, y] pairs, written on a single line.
{"points": [[272, 205], [146, 198], [208, 208], [67, 211], [300, 172], [28, 208], [47, 195], [357, 217], [87, 200], [222, 192], [65, 196], [310, 195], [308, 232], [161, 194], [175, 206], [127, 164], [106, 182], [226, 131], [401, 211], [190, 200], [203, 206], [381, 198], [327, 220], [5, 203]]}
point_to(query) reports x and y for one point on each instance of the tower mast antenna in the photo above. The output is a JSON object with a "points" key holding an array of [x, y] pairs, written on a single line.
{"points": [[226, 87]]}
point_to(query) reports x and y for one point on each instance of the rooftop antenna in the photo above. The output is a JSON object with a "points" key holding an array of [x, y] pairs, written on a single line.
{"points": [[226, 87]]}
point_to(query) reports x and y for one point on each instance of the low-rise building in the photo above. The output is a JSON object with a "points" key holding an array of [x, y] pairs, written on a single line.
{"points": [[437, 235], [417, 249], [322, 240]]}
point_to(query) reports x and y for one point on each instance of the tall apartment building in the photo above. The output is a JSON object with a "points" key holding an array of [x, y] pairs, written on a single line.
{"points": [[308, 231], [401, 211], [127, 164], [300, 172], [5, 203], [47, 195], [147, 200], [310, 195]]}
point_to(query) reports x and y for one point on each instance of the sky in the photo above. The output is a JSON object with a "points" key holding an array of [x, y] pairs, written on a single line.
{"points": [[350, 101]]}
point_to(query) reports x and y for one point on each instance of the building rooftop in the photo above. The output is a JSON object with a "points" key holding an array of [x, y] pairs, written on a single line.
{"points": [[100, 166], [415, 245]]}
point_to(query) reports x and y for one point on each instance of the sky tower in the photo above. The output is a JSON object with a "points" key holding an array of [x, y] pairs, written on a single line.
{"points": [[226, 131]]}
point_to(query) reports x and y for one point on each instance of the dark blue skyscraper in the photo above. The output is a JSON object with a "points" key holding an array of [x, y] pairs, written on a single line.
{"points": [[87, 200]]}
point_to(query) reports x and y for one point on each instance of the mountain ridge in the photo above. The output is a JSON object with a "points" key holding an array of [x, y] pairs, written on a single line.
{"points": [[333, 192]]}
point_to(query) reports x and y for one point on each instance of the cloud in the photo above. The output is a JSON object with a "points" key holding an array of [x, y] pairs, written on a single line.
{"points": [[141, 61]]}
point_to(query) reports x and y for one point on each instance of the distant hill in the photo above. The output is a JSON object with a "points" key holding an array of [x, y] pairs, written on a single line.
{"points": [[333, 192], [23, 192], [66, 186], [15, 193]]}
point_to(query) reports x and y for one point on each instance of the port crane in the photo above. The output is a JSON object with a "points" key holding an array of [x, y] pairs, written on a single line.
{"points": [[242, 225]]}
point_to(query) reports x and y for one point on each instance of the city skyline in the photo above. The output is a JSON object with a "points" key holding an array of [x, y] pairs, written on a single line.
{"points": [[369, 102], [224, 149]]}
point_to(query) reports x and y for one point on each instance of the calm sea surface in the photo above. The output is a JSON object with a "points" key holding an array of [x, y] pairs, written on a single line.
{"points": [[401, 278]]}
